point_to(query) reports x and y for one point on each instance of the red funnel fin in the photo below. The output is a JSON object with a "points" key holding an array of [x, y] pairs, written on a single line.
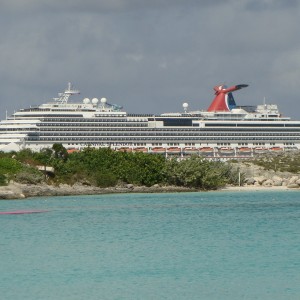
{"points": [[224, 100]]}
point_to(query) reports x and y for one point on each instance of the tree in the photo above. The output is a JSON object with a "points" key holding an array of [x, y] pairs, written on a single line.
{"points": [[60, 152], [44, 157]]}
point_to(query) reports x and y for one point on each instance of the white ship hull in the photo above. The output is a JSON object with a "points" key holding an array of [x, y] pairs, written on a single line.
{"points": [[99, 124]]}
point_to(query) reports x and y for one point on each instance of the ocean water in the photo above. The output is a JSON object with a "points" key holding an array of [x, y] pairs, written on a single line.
{"points": [[216, 245]]}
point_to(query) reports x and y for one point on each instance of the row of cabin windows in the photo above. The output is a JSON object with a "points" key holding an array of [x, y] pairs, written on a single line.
{"points": [[65, 127], [158, 138], [202, 134], [92, 124]]}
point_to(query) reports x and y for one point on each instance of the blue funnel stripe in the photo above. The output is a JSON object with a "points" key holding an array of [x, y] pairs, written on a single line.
{"points": [[230, 101]]}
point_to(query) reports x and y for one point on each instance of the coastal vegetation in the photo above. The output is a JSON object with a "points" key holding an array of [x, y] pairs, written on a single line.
{"points": [[106, 168], [282, 162]]}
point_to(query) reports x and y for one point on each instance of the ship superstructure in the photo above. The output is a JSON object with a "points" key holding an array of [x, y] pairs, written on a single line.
{"points": [[223, 130]]}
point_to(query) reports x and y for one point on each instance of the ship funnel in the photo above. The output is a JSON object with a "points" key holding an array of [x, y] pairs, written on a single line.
{"points": [[224, 100]]}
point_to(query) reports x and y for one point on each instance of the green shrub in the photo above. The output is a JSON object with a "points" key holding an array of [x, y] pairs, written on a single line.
{"points": [[9, 165], [104, 179], [196, 172], [29, 176], [3, 180]]}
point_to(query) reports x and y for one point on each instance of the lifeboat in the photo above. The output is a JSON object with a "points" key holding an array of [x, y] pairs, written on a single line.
{"points": [[159, 150], [260, 150], [244, 150], [140, 149], [206, 149], [190, 150], [72, 150], [125, 149], [174, 150], [276, 149], [226, 150]]}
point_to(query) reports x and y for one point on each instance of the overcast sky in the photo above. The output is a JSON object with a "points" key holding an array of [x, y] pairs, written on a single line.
{"points": [[150, 56]]}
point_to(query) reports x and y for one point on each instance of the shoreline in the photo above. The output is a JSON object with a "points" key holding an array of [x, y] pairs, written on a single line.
{"points": [[15, 191], [258, 188], [254, 188]]}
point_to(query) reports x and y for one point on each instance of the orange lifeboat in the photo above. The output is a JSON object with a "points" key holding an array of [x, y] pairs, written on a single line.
{"points": [[226, 150], [125, 149], [260, 150], [72, 150], [159, 150], [206, 149], [244, 150], [276, 149], [190, 150], [174, 150], [140, 149]]}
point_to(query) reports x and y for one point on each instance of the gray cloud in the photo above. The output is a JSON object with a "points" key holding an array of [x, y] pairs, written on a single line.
{"points": [[100, 6], [261, 5], [149, 56]]}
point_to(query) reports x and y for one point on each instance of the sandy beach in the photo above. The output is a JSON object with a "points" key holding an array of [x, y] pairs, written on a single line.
{"points": [[253, 188]]}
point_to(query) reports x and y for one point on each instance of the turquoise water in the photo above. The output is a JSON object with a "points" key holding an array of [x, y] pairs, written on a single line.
{"points": [[217, 245]]}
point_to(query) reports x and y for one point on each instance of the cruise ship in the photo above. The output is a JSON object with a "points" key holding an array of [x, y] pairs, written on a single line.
{"points": [[223, 130]]}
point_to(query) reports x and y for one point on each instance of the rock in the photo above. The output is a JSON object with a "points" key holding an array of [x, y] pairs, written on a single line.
{"points": [[6, 195], [277, 178], [11, 194], [155, 186], [268, 182], [260, 179], [293, 179], [293, 186], [130, 186], [277, 183], [249, 181]]}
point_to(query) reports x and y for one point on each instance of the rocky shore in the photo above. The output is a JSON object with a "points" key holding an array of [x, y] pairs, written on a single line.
{"points": [[20, 191], [257, 176]]}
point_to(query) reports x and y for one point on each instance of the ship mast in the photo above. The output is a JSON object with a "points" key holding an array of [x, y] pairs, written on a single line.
{"points": [[64, 97]]}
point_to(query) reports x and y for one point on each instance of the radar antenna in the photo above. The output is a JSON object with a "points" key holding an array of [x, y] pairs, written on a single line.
{"points": [[185, 106]]}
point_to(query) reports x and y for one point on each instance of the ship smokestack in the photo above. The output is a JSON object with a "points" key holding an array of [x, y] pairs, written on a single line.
{"points": [[224, 100]]}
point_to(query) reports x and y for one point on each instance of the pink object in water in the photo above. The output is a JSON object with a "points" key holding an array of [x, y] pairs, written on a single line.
{"points": [[20, 212]]}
